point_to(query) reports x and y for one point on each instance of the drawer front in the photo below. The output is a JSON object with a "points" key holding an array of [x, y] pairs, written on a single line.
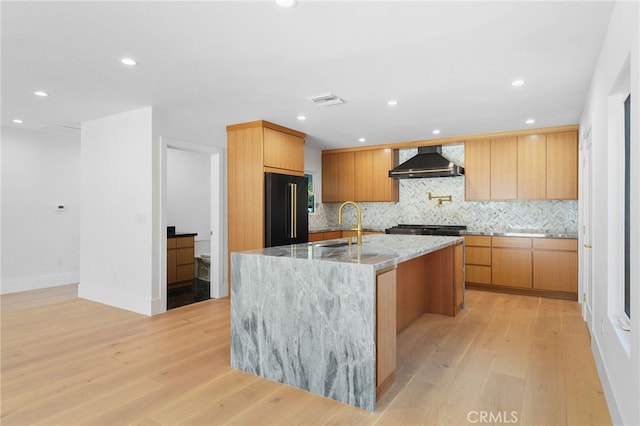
{"points": [[478, 274], [316, 236], [184, 242], [171, 243], [477, 240], [511, 242], [478, 255], [567, 244]]}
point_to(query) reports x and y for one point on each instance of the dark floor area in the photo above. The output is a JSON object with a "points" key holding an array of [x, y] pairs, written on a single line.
{"points": [[198, 291]]}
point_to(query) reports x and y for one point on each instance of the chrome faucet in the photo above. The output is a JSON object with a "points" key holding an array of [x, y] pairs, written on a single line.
{"points": [[358, 227]]}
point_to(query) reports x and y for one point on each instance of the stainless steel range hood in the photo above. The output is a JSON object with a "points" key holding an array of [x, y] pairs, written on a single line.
{"points": [[428, 163]]}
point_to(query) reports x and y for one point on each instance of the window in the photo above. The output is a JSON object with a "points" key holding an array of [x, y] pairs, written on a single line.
{"points": [[311, 202], [627, 206]]}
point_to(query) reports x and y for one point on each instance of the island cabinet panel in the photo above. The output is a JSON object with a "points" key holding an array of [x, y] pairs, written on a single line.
{"points": [[477, 170], [555, 265], [532, 167], [504, 168], [385, 330], [410, 291], [338, 177], [458, 277], [440, 295], [562, 166], [283, 150]]}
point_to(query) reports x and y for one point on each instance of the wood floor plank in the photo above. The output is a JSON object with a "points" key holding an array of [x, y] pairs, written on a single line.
{"points": [[67, 360]]}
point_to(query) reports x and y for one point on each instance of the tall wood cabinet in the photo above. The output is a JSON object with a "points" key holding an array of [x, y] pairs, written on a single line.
{"points": [[254, 148], [361, 175], [526, 167]]}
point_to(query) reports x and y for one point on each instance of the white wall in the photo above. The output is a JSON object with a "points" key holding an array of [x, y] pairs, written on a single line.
{"points": [[189, 194], [617, 353], [40, 245], [120, 220]]}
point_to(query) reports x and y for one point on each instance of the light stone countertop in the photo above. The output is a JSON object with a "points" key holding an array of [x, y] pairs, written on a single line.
{"points": [[378, 250]]}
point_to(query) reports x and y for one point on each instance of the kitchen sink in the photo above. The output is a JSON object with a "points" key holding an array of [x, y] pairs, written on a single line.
{"points": [[334, 244]]}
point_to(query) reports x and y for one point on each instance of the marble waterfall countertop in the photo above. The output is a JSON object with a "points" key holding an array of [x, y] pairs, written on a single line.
{"points": [[378, 250], [305, 314]]}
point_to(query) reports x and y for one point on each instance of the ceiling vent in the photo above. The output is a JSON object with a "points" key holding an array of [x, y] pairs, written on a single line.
{"points": [[61, 130], [327, 99]]}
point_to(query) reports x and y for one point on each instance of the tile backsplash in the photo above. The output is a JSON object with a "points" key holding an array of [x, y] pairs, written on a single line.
{"points": [[415, 207]]}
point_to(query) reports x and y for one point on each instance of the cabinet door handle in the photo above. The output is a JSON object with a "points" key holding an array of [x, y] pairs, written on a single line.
{"points": [[587, 245]]}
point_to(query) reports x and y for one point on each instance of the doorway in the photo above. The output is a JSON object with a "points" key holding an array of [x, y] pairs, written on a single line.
{"points": [[202, 183]]}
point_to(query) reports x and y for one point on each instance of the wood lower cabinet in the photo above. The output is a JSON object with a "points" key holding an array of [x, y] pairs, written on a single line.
{"points": [[537, 266], [180, 260], [555, 265], [477, 259], [321, 236]]}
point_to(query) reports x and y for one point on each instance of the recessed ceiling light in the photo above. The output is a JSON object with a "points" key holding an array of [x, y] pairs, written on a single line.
{"points": [[517, 83], [436, 131], [129, 62], [41, 93], [17, 121], [286, 3], [530, 121], [392, 103], [361, 140], [302, 117]]}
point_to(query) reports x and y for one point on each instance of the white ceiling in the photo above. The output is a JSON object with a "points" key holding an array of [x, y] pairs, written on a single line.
{"points": [[206, 64]]}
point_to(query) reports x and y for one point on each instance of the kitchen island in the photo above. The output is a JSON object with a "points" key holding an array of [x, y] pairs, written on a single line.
{"points": [[323, 316]]}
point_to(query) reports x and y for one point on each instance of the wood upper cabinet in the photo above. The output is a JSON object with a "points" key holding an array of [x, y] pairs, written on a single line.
{"points": [[504, 168], [359, 176], [338, 177], [372, 181], [532, 167], [562, 166], [529, 167], [477, 170], [283, 150]]}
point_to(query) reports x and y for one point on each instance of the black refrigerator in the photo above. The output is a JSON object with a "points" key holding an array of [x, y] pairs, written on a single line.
{"points": [[286, 214]]}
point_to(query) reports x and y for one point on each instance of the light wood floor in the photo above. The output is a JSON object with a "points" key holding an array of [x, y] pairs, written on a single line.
{"points": [[69, 361]]}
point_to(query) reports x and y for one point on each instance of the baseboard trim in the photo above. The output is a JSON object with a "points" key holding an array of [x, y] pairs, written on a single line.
{"points": [[616, 418], [40, 281]]}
